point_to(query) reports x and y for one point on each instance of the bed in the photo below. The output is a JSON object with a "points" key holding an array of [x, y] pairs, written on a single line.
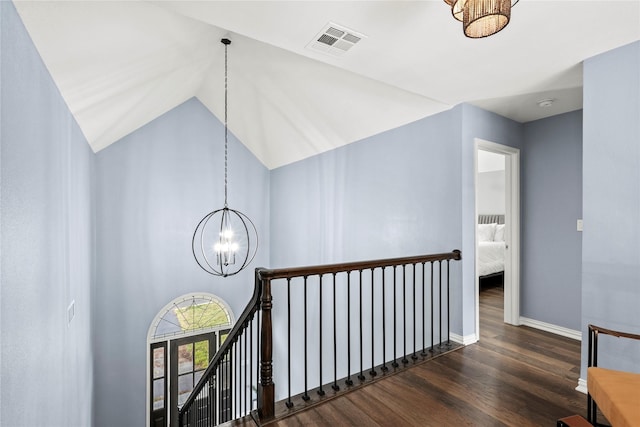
{"points": [[491, 247]]}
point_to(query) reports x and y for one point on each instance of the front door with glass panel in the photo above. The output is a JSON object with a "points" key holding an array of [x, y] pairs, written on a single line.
{"points": [[189, 358], [185, 336]]}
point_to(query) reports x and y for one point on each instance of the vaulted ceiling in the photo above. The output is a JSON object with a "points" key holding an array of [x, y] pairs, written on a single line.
{"points": [[121, 64]]}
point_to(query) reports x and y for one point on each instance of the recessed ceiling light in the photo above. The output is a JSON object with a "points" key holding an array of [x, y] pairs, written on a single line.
{"points": [[543, 103]]}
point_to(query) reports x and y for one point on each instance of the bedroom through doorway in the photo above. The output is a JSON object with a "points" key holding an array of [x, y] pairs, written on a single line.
{"points": [[497, 231], [490, 242]]}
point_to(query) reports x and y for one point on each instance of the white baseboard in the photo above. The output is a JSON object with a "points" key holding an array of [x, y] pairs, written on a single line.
{"points": [[464, 340], [554, 329], [582, 386]]}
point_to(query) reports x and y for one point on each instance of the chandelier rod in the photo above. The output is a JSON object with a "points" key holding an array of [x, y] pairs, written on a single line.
{"points": [[226, 43]]}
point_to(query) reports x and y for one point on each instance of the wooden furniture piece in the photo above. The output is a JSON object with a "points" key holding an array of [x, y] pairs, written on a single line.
{"points": [[573, 421], [616, 393]]}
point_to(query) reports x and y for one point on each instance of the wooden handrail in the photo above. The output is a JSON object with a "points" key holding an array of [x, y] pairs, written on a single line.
{"points": [[284, 273], [600, 330], [235, 332]]}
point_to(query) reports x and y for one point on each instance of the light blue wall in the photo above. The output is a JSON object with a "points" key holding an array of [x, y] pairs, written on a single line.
{"points": [[393, 194], [153, 187], [402, 192], [611, 205], [551, 271], [46, 244], [2, 25]]}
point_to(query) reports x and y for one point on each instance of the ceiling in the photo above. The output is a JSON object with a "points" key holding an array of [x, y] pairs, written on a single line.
{"points": [[121, 64]]}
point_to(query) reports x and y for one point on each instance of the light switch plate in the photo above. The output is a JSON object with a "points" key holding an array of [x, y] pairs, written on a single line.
{"points": [[579, 225]]}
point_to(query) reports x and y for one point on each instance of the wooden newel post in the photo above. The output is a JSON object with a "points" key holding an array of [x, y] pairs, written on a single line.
{"points": [[267, 395]]}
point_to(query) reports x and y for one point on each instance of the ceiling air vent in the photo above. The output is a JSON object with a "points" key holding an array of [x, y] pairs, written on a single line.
{"points": [[335, 40]]}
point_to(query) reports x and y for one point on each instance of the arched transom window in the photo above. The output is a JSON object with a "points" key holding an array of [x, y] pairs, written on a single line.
{"points": [[191, 314]]}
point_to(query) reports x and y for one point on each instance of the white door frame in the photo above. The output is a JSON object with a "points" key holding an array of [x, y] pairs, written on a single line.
{"points": [[512, 230]]}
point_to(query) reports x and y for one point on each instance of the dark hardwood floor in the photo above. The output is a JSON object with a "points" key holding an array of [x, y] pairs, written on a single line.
{"points": [[514, 376]]}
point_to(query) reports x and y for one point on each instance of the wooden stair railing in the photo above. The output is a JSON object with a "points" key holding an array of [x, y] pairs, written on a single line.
{"points": [[391, 312], [214, 399]]}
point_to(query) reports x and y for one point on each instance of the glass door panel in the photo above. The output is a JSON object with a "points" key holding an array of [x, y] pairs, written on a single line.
{"points": [[185, 358], [158, 394], [158, 384], [201, 355], [189, 359], [185, 385], [224, 384]]}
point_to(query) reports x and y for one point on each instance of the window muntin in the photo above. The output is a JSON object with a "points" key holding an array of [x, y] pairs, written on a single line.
{"points": [[190, 314]]}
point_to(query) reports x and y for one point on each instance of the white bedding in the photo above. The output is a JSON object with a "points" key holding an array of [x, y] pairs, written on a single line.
{"points": [[490, 257]]}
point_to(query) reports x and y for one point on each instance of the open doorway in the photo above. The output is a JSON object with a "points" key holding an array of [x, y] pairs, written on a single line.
{"points": [[497, 187]]}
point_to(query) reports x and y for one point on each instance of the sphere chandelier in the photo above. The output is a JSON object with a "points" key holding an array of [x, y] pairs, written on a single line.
{"points": [[225, 240]]}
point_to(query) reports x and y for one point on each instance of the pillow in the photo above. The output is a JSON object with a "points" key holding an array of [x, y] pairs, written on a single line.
{"points": [[486, 232], [499, 236]]}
